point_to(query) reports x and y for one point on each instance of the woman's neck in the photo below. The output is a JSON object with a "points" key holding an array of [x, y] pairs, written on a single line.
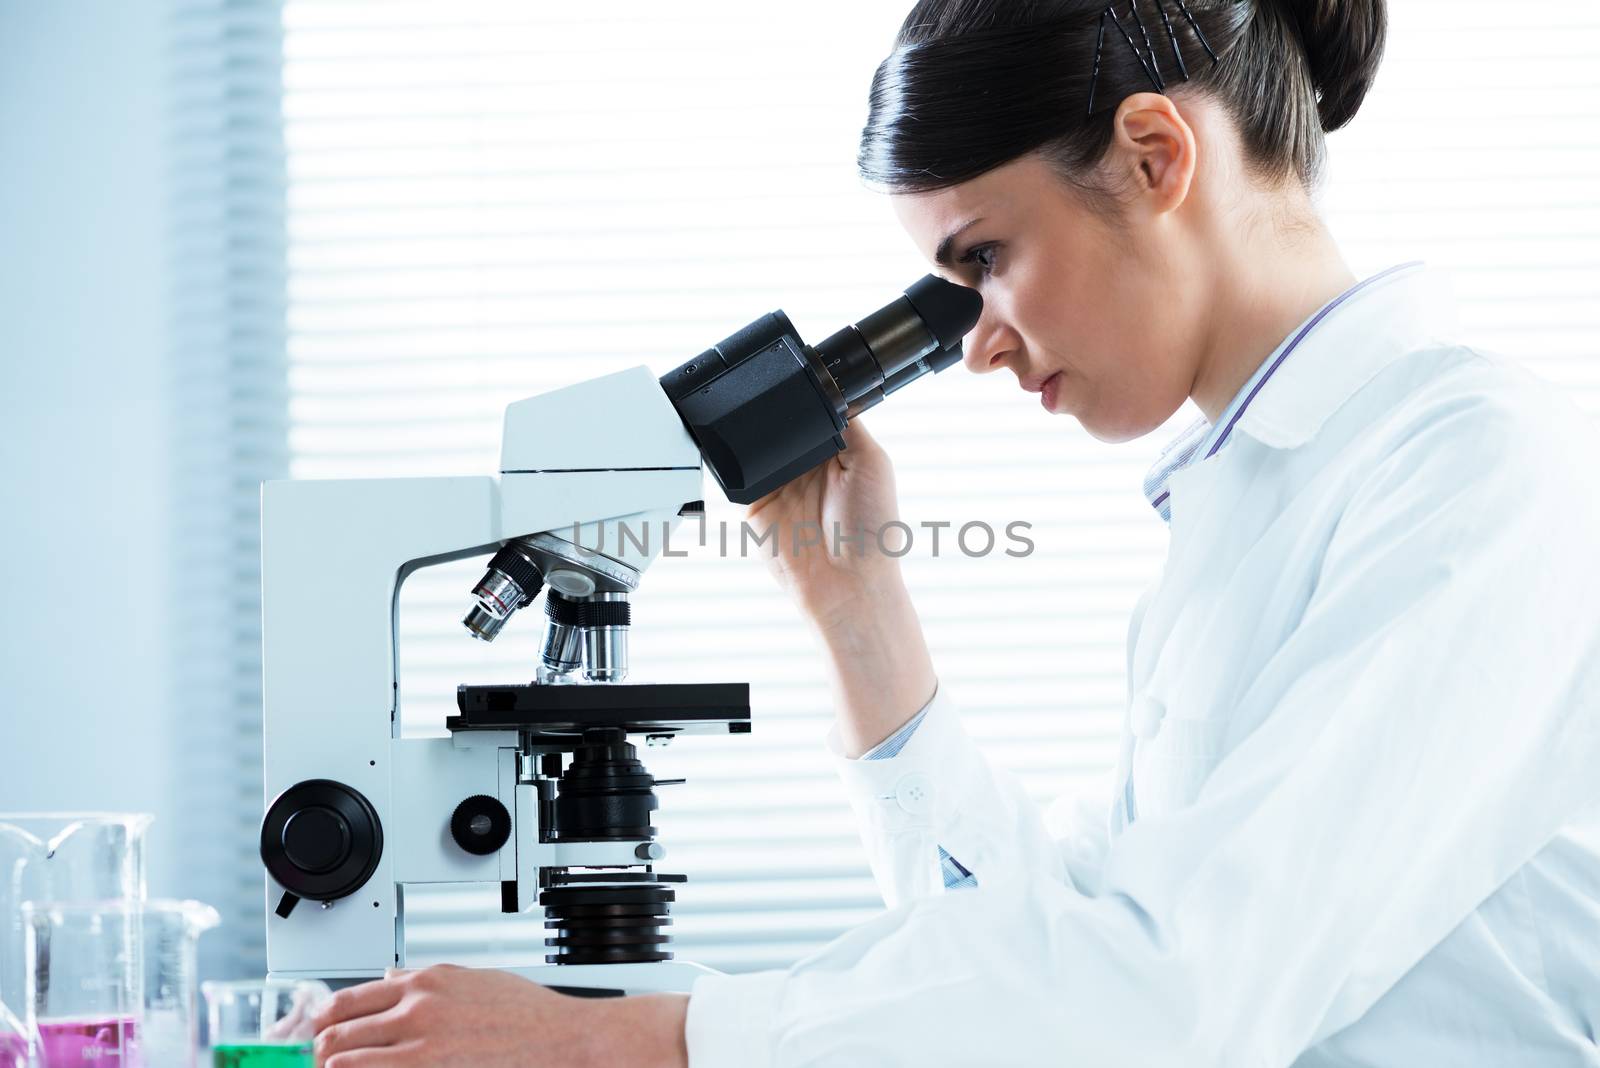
{"points": [[1266, 284]]}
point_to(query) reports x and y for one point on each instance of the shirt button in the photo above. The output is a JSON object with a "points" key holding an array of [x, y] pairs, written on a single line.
{"points": [[914, 793], [1145, 716]]}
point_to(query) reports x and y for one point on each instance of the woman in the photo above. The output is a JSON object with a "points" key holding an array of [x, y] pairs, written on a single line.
{"points": [[1356, 818]]}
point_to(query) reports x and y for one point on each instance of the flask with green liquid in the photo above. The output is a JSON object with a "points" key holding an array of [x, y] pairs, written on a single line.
{"points": [[263, 1023]]}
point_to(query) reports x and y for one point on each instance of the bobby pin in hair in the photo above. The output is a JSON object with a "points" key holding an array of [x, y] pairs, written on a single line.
{"points": [[1183, 7], [1149, 48], [1155, 79], [1099, 42], [1172, 35]]}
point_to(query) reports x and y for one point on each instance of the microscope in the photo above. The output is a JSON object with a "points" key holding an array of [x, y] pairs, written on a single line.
{"points": [[536, 788]]}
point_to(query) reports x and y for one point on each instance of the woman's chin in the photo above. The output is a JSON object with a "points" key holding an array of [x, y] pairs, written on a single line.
{"points": [[1109, 432]]}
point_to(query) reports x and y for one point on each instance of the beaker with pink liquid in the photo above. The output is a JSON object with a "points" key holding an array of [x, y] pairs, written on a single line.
{"points": [[13, 1044], [57, 856], [113, 983], [85, 982]]}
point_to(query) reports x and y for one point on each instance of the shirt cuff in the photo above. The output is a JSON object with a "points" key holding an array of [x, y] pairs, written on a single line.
{"points": [[731, 1019], [891, 746], [921, 784]]}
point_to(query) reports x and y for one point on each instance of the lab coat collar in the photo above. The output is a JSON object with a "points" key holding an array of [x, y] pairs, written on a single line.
{"points": [[1393, 313]]}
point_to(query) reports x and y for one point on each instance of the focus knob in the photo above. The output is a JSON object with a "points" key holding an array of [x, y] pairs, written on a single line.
{"points": [[480, 825], [316, 839], [321, 840]]}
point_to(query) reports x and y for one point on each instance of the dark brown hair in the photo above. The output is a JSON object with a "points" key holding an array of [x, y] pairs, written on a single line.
{"points": [[973, 84]]}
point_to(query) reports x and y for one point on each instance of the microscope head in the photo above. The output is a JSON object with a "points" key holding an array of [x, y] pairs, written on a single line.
{"points": [[763, 408]]}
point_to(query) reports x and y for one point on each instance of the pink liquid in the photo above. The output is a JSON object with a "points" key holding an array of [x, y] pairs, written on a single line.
{"points": [[13, 1052], [108, 1042]]}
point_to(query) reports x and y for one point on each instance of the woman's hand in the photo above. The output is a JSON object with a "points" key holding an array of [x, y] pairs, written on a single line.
{"points": [[851, 496], [448, 1017], [852, 590]]}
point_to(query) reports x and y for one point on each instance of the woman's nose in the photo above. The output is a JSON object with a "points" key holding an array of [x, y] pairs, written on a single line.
{"points": [[985, 348]]}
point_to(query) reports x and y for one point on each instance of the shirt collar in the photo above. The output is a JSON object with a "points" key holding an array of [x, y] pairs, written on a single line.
{"points": [[1321, 364], [1345, 346]]}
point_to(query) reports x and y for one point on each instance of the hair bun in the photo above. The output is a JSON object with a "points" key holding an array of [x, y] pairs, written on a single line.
{"points": [[1343, 42]]}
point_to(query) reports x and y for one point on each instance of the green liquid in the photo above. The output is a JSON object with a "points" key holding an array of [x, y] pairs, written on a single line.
{"points": [[254, 1056]]}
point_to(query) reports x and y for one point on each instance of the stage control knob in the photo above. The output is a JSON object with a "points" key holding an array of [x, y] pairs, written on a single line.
{"points": [[480, 825], [321, 840]]}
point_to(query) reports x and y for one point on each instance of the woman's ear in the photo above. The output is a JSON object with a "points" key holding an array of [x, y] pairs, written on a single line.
{"points": [[1154, 148]]}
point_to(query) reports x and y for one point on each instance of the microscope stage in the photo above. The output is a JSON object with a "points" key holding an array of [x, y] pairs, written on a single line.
{"points": [[563, 711]]}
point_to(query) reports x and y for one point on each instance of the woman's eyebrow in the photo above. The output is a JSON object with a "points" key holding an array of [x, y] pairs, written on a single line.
{"points": [[943, 256]]}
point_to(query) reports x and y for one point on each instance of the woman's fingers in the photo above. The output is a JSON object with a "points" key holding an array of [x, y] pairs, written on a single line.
{"points": [[363, 1032], [401, 1056], [356, 1001]]}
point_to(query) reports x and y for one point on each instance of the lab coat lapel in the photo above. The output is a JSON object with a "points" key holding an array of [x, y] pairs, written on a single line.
{"points": [[1203, 496], [1391, 314]]}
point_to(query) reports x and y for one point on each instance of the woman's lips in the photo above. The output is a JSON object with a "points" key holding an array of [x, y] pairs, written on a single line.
{"points": [[1047, 389]]}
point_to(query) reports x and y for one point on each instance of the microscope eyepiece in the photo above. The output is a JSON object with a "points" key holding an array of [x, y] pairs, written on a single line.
{"points": [[765, 407], [949, 311]]}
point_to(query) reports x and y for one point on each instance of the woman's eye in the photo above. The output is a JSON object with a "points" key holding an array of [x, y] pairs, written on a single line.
{"points": [[983, 256]]}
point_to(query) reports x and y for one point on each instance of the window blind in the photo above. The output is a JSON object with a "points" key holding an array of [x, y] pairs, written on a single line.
{"points": [[226, 249], [487, 200]]}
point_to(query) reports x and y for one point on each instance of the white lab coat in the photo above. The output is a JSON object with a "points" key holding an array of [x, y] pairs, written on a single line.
{"points": [[1366, 689]]}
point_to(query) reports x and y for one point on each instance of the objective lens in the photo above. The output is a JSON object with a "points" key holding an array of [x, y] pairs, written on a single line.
{"points": [[484, 624], [563, 636], [605, 620], [511, 581]]}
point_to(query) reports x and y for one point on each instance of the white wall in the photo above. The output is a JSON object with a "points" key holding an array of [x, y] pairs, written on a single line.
{"points": [[85, 681]]}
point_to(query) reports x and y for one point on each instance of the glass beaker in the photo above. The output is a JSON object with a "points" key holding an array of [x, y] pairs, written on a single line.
{"points": [[59, 856], [13, 1044], [85, 982], [262, 1023], [169, 1031]]}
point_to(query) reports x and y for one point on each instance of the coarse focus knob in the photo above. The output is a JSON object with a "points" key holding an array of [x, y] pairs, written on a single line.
{"points": [[480, 825], [321, 839], [316, 839]]}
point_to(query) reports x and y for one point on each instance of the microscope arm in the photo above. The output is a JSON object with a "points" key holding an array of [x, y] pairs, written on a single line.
{"points": [[334, 555]]}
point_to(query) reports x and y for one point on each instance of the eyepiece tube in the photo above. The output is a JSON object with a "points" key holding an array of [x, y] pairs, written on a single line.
{"points": [[765, 407]]}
